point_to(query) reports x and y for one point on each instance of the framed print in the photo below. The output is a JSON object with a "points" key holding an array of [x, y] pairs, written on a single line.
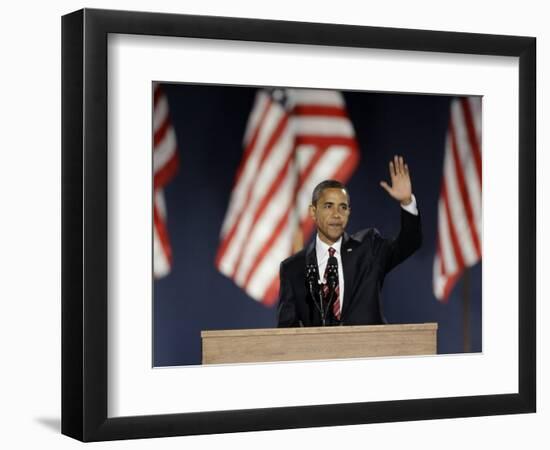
{"points": [[130, 369]]}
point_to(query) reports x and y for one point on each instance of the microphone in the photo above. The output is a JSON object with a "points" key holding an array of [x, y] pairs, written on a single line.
{"points": [[312, 274], [332, 281], [312, 277], [332, 272]]}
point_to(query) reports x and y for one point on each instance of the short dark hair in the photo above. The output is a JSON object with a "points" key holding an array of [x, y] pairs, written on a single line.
{"points": [[327, 184]]}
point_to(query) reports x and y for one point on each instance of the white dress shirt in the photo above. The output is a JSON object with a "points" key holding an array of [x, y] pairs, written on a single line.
{"points": [[411, 207], [321, 250]]}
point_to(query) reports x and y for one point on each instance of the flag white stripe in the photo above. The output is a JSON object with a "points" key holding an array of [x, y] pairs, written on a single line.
{"points": [[324, 126], [447, 250], [165, 150], [440, 280], [160, 203], [249, 172], [160, 113], [467, 161], [264, 228], [261, 101], [268, 267], [475, 107], [304, 154], [161, 265], [316, 97], [281, 151], [458, 211]]}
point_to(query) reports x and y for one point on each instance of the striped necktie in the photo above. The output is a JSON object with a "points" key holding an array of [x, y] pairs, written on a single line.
{"points": [[326, 290]]}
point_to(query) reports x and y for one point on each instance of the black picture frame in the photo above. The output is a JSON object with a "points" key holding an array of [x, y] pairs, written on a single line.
{"points": [[84, 224]]}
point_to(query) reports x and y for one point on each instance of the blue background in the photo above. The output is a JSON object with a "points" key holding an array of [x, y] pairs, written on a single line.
{"points": [[209, 122]]}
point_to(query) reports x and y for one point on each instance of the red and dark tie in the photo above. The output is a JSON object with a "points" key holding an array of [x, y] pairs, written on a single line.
{"points": [[326, 290]]}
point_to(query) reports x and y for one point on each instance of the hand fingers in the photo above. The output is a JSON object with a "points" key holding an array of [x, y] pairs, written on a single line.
{"points": [[385, 186], [398, 167], [392, 170]]}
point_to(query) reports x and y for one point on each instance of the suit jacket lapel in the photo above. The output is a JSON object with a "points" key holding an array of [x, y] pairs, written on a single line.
{"points": [[311, 254], [348, 267]]}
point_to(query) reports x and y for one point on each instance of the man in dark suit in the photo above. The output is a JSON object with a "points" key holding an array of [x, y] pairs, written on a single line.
{"points": [[357, 264]]}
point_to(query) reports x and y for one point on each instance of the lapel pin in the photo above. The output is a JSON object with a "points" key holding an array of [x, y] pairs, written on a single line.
{"points": [[350, 249]]}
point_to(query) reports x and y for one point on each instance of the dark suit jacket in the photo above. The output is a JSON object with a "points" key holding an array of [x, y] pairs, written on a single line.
{"points": [[366, 259]]}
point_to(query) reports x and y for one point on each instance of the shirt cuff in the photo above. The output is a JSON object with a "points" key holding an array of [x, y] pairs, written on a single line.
{"points": [[411, 207]]}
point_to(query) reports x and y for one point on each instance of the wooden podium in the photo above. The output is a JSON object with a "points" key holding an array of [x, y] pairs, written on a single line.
{"points": [[298, 344]]}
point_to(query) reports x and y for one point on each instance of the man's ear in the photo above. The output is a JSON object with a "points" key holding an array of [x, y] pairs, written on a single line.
{"points": [[312, 211]]}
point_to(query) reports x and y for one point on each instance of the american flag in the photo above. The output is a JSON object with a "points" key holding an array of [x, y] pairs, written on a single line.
{"points": [[459, 233], [165, 165], [294, 139]]}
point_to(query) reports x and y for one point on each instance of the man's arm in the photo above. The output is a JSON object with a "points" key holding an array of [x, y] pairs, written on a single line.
{"points": [[410, 234], [286, 312], [407, 242]]}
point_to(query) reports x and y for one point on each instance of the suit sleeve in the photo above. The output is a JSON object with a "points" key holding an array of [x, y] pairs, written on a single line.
{"points": [[286, 312], [407, 242]]}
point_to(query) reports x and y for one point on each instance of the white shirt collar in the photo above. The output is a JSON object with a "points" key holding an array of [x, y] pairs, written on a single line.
{"points": [[321, 247]]}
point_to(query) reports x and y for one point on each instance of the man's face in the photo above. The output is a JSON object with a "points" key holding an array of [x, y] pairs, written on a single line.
{"points": [[331, 214]]}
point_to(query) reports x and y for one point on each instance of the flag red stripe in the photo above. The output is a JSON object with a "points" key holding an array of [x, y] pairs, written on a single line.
{"points": [[165, 174], [272, 293], [463, 190], [283, 220], [454, 239], [449, 284], [274, 138], [157, 94], [266, 200], [440, 253], [278, 132], [319, 110], [252, 143], [450, 279], [343, 174], [161, 132], [325, 141], [162, 233], [277, 230], [472, 136], [244, 162], [307, 227]]}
